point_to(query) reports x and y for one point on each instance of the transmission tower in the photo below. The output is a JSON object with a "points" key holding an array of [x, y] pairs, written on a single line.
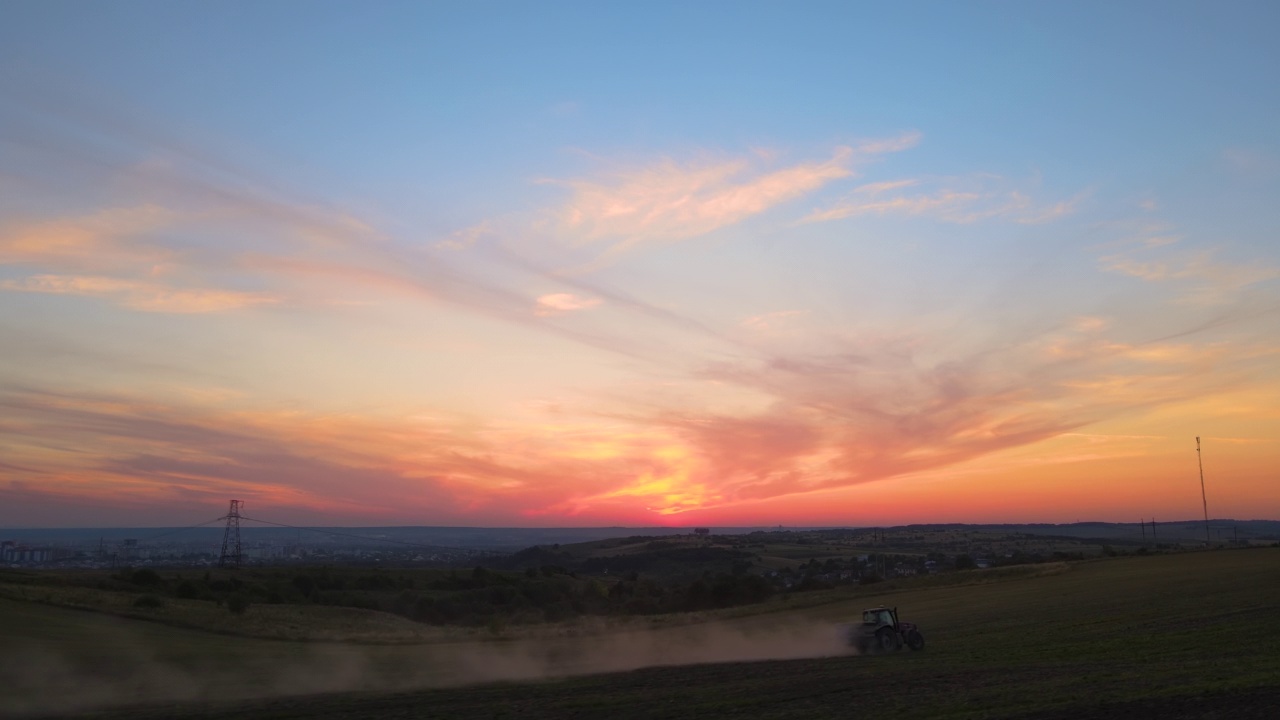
{"points": [[231, 554], [1203, 498]]}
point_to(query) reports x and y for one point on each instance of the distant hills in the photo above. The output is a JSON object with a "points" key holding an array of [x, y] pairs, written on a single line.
{"points": [[512, 539]]}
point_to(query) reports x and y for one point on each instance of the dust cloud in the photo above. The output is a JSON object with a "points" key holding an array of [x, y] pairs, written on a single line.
{"points": [[130, 670]]}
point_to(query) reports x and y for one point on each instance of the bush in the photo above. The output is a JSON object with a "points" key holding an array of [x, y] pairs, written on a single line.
{"points": [[186, 590], [148, 601], [146, 577], [304, 584], [237, 604]]}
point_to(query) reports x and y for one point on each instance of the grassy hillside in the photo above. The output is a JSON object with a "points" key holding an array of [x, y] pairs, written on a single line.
{"points": [[1173, 635], [610, 580]]}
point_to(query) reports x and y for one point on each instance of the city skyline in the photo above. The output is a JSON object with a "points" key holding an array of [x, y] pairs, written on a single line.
{"points": [[584, 264]]}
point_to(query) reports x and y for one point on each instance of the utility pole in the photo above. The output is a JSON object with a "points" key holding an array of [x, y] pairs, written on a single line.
{"points": [[231, 553], [1203, 498], [1154, 540], [1143, 525]]}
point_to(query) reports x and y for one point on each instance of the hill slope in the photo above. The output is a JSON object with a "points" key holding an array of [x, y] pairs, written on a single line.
{"points": [[1167, 636]]}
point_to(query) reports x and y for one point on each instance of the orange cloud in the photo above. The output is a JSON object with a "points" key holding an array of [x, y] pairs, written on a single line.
{"points": [[110, 237], [148, 297], [836, 422], [672, 201]]}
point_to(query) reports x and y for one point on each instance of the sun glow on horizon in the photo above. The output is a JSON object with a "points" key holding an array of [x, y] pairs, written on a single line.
{"points": [[737, 288]]}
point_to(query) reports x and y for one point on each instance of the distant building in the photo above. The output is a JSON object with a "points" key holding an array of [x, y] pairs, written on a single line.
{"points": [[702, 532]]}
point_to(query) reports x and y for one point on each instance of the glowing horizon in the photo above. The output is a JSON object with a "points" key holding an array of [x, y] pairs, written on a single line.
{"points": [[428, 266]]}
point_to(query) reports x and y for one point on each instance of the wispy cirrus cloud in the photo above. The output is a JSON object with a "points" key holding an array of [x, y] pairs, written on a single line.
{"points": [[1196, 266], [868, 411], [670, 200], [108, 238], [793, 412], [554, 303], [172, 229], [1154, 255], [964, 202], [864, 411], [138, 295], [391, 469], [467, 237], [771, 320]]}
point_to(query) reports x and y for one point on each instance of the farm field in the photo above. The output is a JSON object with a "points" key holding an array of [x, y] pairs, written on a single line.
{"points": [[1169, 636]]}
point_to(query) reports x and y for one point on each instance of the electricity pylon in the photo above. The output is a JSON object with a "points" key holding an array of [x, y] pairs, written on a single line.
{"points": [[231, 553]]}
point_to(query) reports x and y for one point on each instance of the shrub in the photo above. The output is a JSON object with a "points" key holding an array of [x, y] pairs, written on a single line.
{"points": [[237, 604], [146, 577], [496, 625], [148, 601], [304, 584], [186, 590]]}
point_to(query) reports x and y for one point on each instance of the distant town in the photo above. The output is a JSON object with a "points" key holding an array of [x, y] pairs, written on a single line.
{"points": [[89, 548], [104, 548]]}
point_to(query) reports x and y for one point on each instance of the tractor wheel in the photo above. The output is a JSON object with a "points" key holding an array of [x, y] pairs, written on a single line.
{"points": [[887, 640], [915, 640]]}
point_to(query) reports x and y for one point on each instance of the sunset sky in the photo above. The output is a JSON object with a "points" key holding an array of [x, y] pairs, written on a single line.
{"points": [[607, 263]]}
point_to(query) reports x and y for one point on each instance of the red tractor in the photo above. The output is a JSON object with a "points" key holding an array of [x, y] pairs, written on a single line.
{"points": [[880, 631]]}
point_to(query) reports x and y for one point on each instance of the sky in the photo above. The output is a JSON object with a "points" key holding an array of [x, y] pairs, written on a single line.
{"points": [[642, 264]]}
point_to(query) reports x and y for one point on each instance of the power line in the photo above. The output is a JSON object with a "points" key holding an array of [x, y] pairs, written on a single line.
{"points": [[182, 529], [228, 516], [1203, 498], [370, 539]]}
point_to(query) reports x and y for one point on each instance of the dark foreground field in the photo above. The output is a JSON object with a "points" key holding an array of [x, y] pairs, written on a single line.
{"points": [[1177, 636]]}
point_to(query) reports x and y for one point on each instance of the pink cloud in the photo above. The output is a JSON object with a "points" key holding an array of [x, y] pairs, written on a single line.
{"points": [[1206, 281], [771, 320], [137, 295], [109, 237], [975, 202], [673, 201], [556, 303], [670, 201]]}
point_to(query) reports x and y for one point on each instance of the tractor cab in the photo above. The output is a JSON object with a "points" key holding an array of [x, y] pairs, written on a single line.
{"points": [[880, 631], [880, 617]]}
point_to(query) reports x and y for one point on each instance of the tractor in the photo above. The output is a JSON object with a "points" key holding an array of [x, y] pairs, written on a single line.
{"points": [[880, 631]]}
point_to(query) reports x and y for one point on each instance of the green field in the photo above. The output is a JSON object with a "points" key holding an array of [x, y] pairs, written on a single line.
{"points": [[1168, 636]]}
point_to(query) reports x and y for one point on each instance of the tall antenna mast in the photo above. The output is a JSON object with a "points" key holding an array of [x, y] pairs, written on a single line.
{"points": [[231, 554], [1203, 498]]}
